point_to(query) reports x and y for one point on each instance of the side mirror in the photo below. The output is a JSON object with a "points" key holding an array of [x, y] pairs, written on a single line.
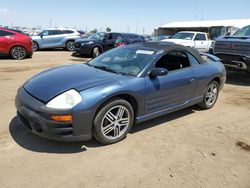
{"points": [[41, 36], [158, 72]]}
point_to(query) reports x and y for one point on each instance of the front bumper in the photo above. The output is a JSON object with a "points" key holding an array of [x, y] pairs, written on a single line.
{"points": [[236, 62], [36, 118], [83, 49]]}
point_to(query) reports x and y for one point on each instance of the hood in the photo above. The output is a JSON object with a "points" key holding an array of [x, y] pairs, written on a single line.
{"points": [[178, 41], [53, 82], [234, 39], [87, 40]]}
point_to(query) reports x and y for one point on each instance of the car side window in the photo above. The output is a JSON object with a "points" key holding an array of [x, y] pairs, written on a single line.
{"points": [[200, 36], [174, 60], [5, 33], [115, 36], [45, 33], [193, 61], [68, 32], [108, 36], [57, 32]]}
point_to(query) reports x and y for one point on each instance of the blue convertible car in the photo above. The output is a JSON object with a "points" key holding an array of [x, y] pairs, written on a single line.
{"points": [[106, 96]]}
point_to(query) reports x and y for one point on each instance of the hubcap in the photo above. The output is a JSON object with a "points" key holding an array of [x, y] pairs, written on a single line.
{"points": [[70, 46], [115, 122], [18, 53], [211, 94]]}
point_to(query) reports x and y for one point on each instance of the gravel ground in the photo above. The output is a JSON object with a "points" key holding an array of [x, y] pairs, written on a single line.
{"points": [[189, 148]]}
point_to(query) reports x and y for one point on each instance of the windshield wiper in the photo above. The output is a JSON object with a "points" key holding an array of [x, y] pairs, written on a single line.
{"points": [[105, 68]]}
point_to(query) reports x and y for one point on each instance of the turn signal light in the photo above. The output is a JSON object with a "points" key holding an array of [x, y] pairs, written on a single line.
{"points": [[62, 118]]}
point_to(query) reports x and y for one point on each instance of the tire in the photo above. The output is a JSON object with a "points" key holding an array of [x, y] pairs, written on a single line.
{"points": [[35, 46], [113, 121], [70, 46], [96, 52], [210, 95], [18, 52]]}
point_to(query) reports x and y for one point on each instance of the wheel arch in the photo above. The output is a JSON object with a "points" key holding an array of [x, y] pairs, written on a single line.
{"points": [[217, 79], [127, 97]]}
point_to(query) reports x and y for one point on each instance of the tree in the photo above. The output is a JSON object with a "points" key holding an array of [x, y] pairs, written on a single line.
{"points": [[108, 29]]}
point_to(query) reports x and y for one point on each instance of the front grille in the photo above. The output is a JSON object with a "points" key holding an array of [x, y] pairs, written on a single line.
{"points": [[62, 129], [24, 121]]}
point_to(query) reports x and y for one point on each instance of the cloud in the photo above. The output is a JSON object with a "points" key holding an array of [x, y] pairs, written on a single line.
{"points": [[4, 11]]}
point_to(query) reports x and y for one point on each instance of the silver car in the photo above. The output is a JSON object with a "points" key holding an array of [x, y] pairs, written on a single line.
{"points": [[56, 38]]}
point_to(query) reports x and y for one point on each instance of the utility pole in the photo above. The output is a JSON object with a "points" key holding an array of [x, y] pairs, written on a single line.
{"points": [[136, 26], [50, 22]]}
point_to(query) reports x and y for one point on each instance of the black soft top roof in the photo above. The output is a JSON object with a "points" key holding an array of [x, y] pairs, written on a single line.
{"points": [[169, 46]]}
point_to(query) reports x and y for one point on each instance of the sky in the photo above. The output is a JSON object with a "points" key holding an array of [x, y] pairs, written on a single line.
{"points": [[120, 15]]}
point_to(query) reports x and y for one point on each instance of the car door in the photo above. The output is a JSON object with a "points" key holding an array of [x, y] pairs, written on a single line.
{"points": [[5, 41], [109, 41], [200, 41], [172, 90], [51, 38]]}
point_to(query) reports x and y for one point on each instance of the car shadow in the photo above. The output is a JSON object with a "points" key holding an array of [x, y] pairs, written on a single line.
{"points": [[32, 142], [164, 119], [238, 78]]}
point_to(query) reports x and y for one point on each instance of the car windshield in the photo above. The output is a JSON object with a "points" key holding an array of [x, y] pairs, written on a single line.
{"points": [[126, 60], [245, 31], [182, 35], [159, 38], [98, 36]]}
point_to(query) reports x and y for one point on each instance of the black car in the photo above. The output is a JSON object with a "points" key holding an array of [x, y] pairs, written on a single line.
{"points": [[101, 42]]}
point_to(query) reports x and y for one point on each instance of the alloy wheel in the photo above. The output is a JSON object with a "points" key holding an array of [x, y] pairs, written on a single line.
{"points": [[115, 122], [211, 94], [18, 53]]}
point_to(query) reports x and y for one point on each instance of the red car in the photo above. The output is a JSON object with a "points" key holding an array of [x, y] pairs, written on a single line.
{"points": [[15, 44]]}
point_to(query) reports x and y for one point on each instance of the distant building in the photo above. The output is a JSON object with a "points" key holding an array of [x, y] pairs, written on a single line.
{"points": [[214, 27]]}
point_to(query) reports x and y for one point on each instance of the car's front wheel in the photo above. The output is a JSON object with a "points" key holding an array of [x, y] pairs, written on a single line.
{"points": [[210, 95], [70, 46], [113, 121], [18, 52]]}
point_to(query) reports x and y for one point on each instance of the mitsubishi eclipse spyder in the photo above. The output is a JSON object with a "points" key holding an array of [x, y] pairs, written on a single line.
{"points": [[103, 98]]}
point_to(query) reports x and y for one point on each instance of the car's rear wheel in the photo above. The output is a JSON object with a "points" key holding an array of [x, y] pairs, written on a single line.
{"points": [[210, 95], [18, 52], [113, 121], [35, 46], [70, 46], [96, 52]]}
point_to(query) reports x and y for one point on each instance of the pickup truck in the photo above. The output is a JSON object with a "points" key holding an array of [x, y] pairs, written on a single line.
{"points": [[234, 51], [198, 40]]}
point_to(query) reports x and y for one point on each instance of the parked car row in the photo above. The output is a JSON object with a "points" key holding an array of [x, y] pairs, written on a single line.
{"points": [[101, 42], [233, 50]]}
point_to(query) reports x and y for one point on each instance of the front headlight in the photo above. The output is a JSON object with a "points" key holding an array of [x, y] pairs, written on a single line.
{"points": [[66, 100]]}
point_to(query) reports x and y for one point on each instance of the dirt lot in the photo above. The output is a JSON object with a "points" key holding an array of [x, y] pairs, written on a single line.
{"points": [[190, 148]]}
